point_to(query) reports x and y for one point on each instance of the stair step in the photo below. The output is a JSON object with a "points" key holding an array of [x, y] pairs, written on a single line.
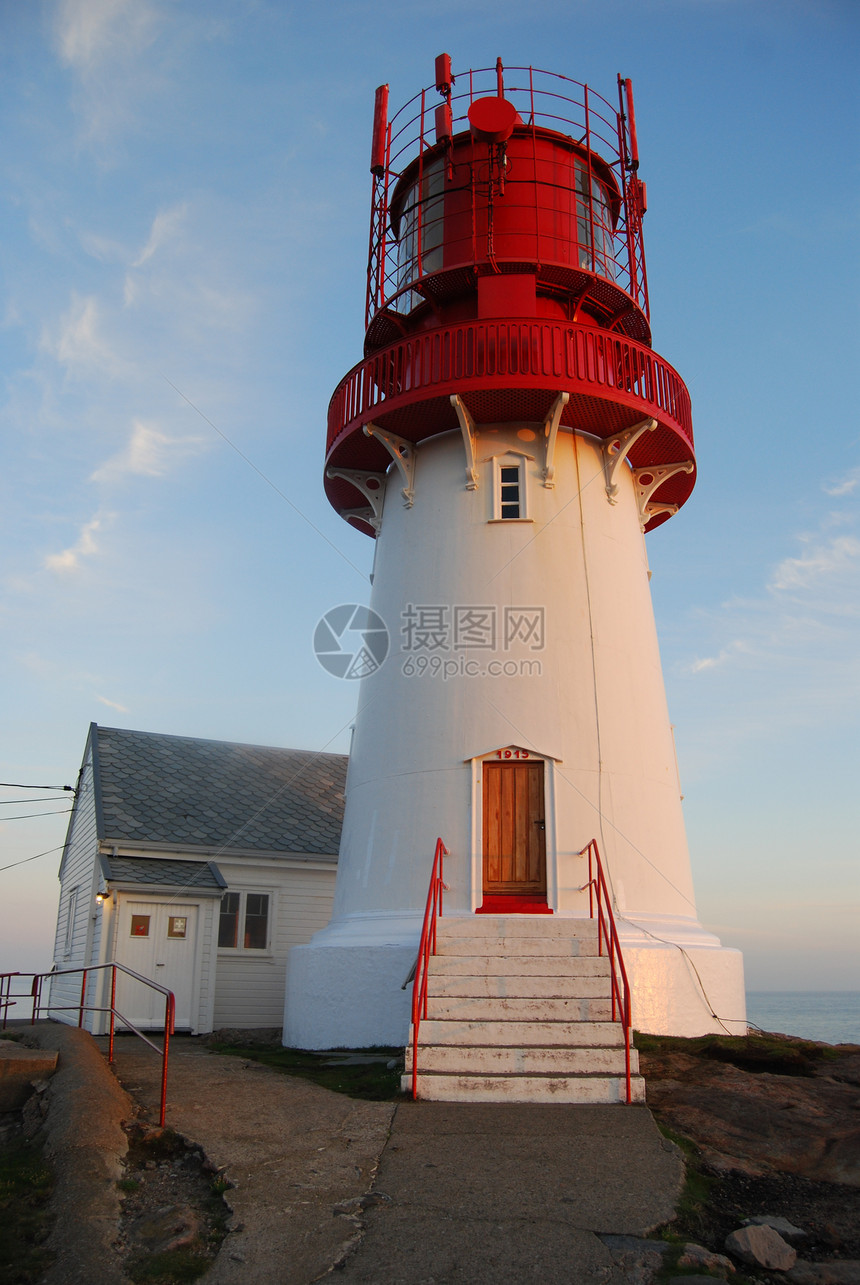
{"points": [[521, 1034], [521, 966], [510, 947], [464, 1009], [481, 1060], [507, 987], [516, 926], [525, 1088]]}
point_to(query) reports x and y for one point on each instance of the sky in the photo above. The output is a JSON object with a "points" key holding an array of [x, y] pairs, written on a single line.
{"points": [[185, 197]]}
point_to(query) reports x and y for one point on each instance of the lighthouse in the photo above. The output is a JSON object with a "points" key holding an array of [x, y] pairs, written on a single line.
{"points": [[508, 440]]}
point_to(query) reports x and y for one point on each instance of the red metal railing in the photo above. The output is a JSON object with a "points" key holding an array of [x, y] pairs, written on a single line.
{"points": [[8, 999], [477, 354], [426, 948], [544, 100], [608, 944]]}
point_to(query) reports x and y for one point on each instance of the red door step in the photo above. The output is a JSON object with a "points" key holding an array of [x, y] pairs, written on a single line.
{"points": [[511, 904]]}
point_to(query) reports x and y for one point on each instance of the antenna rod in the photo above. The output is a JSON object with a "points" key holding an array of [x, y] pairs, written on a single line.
{"points": [[631, 117]]}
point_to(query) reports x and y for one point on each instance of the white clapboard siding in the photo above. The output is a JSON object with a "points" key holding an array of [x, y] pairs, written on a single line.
{"points": [[78, 872], [249, 988]]}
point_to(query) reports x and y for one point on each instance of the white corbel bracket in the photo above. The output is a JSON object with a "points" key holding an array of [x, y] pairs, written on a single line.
{"points": [[615, 452], [371, 485], [648, 479], [470, 440], [550, 432], [653, 510], [403, 454], [363, 514]]}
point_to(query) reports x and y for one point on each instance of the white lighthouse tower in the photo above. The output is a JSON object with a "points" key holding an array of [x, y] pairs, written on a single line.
{"points": [[507, 439]]}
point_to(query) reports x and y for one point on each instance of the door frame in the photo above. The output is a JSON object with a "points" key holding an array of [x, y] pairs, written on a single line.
{"points": [[477, 819], [202, 997]]}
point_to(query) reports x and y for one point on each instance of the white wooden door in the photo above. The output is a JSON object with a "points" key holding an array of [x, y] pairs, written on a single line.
{"points": [[159, 941]]}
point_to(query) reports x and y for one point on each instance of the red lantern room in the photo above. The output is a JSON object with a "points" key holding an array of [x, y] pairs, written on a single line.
{"points": [[505, 263]]}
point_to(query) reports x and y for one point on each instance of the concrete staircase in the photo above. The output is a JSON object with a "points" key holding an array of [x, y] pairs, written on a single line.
{"points": [[519, 1010]]}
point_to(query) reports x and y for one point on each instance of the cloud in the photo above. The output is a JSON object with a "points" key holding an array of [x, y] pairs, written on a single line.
{"points": [[69, 561], [149, 453], [788, 657], [79, 346], [846, 486], [164, 227], [107, 45], [835, 559], [121, 709], [92, 32], [711, 662]]}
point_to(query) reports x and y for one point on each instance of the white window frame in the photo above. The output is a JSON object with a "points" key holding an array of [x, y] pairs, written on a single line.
{"points": [[71, 914], [511, 459], [254, 952]]}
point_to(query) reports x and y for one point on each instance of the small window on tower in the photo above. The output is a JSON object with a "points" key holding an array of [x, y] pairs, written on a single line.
{"points": [[509, 498], [509, 489]]}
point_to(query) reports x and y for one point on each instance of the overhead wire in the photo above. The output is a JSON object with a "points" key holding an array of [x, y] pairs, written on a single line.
{"points": [[16, 785], [23, 862], [26, 816], [10, 801]]}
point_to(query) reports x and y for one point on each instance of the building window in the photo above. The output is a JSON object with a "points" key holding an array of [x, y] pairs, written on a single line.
{"points": [[509, 489], [244, 921], [509, 495], [419, 232]]}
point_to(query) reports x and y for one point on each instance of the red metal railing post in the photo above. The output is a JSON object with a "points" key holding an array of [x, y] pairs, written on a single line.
{"points": [[5, 992], [590, 886], [426, 947], [83, 997], [608, 933], [112, 1010], [169, 1022]]}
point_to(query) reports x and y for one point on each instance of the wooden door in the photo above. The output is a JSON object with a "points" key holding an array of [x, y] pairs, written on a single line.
{"points": [[514, 829]]}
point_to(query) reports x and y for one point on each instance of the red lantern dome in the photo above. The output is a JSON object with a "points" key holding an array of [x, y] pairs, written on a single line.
{"points": [[506, 264]]}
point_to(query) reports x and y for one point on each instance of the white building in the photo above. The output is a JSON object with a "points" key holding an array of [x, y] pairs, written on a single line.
{"points": [[198, 864]]}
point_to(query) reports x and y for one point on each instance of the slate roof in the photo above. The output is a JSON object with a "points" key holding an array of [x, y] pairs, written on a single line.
{"points": [[196, 875], [153, 788]]}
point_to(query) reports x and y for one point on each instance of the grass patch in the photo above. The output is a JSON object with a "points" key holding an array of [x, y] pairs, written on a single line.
{"points": [[358, 1073], [170, 1268], [753, 1053], [692, 1221], [691, 1217], [26, 1184]]}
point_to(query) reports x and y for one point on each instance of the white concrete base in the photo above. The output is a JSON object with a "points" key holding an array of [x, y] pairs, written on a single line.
{"points": [[342, 996], [344, 986], [688, 984]]}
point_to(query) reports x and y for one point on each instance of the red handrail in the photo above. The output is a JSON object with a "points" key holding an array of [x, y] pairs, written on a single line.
{"points": [[525, 354], [426, 948], [35, 992], [607, 935]]}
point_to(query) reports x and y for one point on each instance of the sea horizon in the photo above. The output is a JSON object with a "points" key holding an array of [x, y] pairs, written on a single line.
{"points": [[828, 1016]]}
